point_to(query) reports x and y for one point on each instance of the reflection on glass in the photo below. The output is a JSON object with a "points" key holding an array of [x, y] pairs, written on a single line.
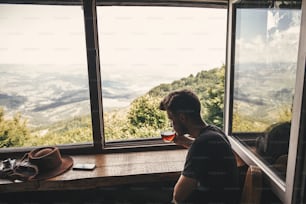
{"points": [[146, 52], [44, 95], [265, 68]]}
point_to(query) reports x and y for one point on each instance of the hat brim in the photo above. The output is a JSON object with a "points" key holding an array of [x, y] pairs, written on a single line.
{"points": [[66, 164]]}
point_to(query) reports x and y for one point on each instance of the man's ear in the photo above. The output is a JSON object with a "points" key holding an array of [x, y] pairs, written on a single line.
{"points": [[182, 117]]}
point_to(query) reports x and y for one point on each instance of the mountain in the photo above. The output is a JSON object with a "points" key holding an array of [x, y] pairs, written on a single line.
{"points": [[262, 84], [45, 95]]}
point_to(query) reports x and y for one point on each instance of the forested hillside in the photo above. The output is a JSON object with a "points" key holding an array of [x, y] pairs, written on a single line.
{"points": [[208, 85], [142, 119]]}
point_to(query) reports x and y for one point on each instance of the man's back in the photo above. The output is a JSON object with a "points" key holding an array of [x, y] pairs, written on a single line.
{"points": [[210, 160]]}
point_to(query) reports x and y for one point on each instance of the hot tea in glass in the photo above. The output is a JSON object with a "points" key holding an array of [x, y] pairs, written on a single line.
{"points": [[168, 136]]}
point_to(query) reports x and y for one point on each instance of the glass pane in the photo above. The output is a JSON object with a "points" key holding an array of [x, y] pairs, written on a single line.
{"points": [[44, 94], [146, 52], [265, 68]]}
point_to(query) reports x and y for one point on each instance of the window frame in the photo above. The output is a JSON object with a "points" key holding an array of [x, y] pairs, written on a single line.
{"points": [[94, 77], [296, 157], [96, 101], [286, 190], [149, 143]]}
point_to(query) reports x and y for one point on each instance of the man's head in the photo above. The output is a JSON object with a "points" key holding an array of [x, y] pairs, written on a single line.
{"points": [[183, 107], [183, 101]]}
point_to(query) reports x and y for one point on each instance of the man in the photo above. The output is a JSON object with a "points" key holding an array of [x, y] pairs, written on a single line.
{"points": [[210, 173]]}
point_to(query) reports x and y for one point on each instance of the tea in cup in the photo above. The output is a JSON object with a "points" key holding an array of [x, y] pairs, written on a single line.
{"points": [[168, 136]]}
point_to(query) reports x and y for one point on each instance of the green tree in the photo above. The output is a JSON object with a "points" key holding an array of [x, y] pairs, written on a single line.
{"points": [[209, 87], [144, 111], [214, 107], [214, 103], [13, 132]]}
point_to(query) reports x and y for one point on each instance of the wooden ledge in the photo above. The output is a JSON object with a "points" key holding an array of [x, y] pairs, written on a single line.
{"points": [[111, 169]]}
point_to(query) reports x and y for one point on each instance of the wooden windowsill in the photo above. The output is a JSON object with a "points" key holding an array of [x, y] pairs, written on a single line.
{"points": [[111, 169]]}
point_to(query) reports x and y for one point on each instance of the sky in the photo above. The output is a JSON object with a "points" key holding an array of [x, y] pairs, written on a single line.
{"points": [[173, 41], [32, 34], [140, 47], [55, 35], [162, 37], [269, 36]]}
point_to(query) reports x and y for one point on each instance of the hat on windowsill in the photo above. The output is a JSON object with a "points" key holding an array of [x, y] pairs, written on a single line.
{"points": [[42, 163], [49, 162]]}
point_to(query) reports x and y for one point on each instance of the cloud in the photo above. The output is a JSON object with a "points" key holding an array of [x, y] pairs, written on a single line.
{"points": [[278, 45]]}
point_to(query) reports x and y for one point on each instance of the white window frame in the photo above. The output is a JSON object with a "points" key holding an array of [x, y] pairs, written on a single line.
{"points": [[284, 190]]}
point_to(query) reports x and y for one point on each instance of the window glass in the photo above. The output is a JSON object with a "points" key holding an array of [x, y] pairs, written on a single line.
{"points": [[264, 78], [146, 52], [44, 94]]}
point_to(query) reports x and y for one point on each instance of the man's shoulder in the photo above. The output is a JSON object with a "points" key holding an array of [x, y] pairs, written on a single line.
{"points": [[211, 133], [210, 140]]}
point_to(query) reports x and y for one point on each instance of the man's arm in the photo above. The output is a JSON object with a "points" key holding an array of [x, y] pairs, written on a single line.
{"points": [[183, 188]]}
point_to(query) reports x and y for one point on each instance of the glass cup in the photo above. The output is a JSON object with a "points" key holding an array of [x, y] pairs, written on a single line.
{"points": [[168, 136]]}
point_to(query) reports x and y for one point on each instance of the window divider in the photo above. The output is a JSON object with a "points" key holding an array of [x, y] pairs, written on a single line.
{"points": [[93, 63]]}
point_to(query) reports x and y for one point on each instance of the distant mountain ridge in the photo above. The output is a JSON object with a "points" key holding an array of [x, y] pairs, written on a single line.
{"points": [[57, 95]]}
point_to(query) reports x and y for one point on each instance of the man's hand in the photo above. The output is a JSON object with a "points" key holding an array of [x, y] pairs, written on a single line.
{"points": [[183, 140]]}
